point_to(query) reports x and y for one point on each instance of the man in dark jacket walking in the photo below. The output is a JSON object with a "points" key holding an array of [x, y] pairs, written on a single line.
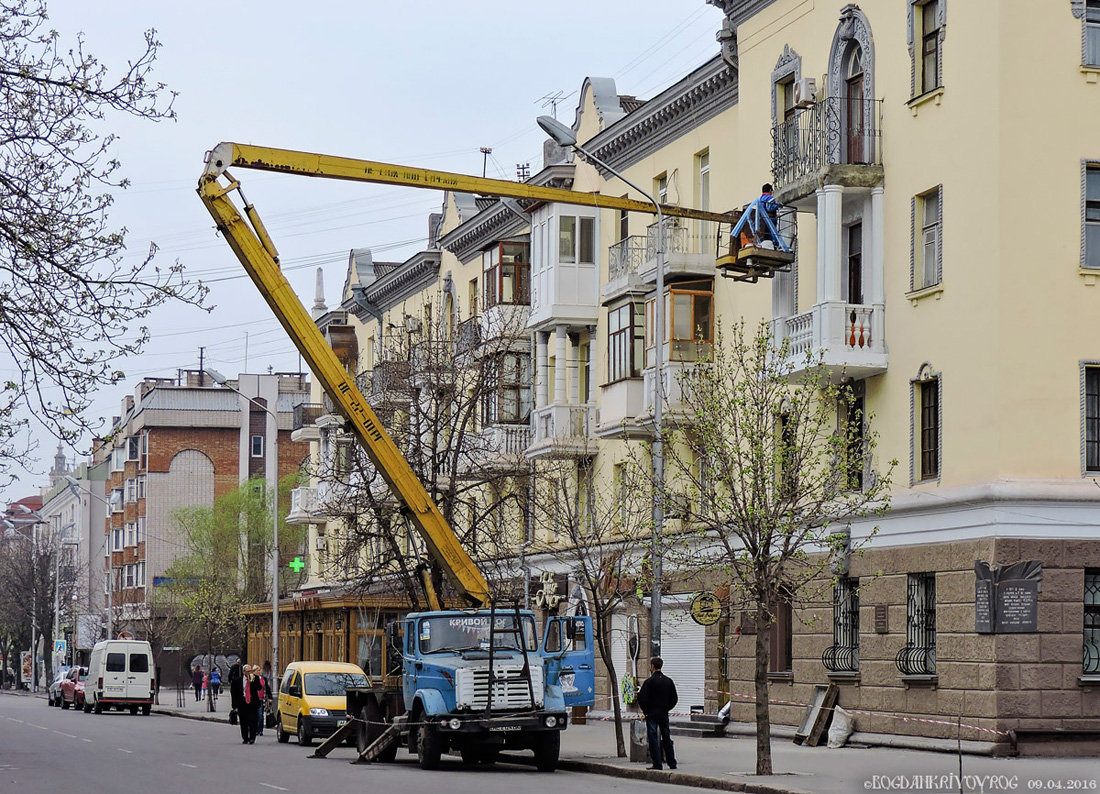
{"points": [[657, 698]]}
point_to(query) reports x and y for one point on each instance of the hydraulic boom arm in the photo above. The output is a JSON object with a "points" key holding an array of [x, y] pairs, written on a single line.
{"points": [[249, 240]]}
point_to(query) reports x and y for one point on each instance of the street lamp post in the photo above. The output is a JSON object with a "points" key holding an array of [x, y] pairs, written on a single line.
{"points": [[221, 380], [564, 136], [57, 588], [76, 490]]}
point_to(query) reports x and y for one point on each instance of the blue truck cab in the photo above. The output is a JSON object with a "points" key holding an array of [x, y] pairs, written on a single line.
{"points": [[446, 682]]}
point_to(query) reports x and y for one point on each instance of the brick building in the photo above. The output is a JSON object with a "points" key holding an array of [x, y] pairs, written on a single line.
{"points": [[183, 444]]}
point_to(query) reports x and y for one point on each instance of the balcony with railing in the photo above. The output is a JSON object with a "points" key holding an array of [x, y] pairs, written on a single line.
{"points": [[845, 338], [625, 262], [837, 141], [691, 249], [305, 422], [303, 506], [502, 448], [674, 373], [563, 431]]}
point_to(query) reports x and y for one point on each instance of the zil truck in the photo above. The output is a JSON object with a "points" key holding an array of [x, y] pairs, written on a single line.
{"points": [[477, 678]]}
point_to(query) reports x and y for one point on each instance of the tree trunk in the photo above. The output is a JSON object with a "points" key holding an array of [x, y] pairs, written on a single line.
{"points": [[605, 655], [763, 714]]}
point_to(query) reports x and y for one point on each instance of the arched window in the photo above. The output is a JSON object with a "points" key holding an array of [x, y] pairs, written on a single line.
{"points": [[855, 115]]}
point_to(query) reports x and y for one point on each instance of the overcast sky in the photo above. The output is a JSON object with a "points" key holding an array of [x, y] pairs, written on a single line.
{"points": [[421, 83]]}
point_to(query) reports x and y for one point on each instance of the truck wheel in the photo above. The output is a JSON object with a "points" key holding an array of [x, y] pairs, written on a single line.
{"points": [[87, 706], [64, 704], [546, 751], [430, 746], [146, 709], [98, 707]]}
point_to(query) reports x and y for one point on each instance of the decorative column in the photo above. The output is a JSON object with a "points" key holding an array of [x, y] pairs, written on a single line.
{"points": [[560, 364], [542, 368], [876, 291]]}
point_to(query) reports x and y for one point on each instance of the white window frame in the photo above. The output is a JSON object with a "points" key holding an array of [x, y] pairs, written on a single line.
{"points": [[140, 529], [131, 490], [131, 533], [141, 486], [116, 500], [585, 255], [1090, 41], [253, 446], [117, 539]]}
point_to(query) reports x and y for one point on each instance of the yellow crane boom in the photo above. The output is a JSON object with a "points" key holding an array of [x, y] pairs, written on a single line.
{"points": [[250, 241]]}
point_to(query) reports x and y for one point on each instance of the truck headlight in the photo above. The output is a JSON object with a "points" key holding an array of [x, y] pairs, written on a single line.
{"points": [[551, 722], [455, 723], [316, 712]]}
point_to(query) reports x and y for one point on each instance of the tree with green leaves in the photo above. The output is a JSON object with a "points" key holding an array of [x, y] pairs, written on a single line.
{"points": [[71, 303], [769, 465], [227, 565]]}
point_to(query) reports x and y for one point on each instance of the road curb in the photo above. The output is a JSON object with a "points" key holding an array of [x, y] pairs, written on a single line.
{"points": [[204, 717], [673, 778]]}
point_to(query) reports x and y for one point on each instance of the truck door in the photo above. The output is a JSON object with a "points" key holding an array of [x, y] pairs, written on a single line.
{"points": [[570, 658], [137, 673], [114, 676]]}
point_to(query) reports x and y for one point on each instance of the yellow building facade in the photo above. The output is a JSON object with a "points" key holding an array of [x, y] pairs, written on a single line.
{"points": [[939, 173]]}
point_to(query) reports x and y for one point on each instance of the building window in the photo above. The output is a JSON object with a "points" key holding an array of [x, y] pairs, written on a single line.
{"points": [[117, 539], [507, 274], [508, 398], [143, 459], [1091, 419], [927, 249], [1091, 254], [1092, 32], [129, 571], [576, 240], [843, 655], [141, 487], [116, 500], [257, 446], [853, 273], [471, 298], [689, 322], [851, 413], [781, 634], [660, 187], [625, 337], [1091, 664], [139, 574], [927, 34], [702, 200], [928, 398], [624, 223], [918, 656], [118, 458], [131, 490], [131, 533], [140, 530], [133, 447]]}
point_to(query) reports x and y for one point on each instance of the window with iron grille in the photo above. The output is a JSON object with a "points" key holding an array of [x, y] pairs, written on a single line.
{"points": [[918, 656], [625, 338], [1092, 419], [1091, 656], [843, 655]]}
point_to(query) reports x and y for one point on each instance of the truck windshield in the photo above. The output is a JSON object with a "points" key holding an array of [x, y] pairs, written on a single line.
{"points": [[332, 684], [471, 633]]}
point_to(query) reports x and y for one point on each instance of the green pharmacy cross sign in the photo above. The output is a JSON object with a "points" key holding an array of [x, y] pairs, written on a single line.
{"points": [[297, 565]]}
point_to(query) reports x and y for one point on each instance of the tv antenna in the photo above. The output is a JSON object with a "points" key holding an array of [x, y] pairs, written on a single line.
{"points": [[552, 100]]}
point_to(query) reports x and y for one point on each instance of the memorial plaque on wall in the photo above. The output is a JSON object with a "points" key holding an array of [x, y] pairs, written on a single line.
{"points": [[882, 619], [1006, 598], [1017, 606], [983, 598]]}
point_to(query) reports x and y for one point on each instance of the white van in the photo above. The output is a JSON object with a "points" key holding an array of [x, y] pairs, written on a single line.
{"points": [[120, 674]]}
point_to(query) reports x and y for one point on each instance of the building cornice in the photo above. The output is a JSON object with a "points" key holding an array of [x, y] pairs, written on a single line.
{"points": [[703, 94], [411, 277]]}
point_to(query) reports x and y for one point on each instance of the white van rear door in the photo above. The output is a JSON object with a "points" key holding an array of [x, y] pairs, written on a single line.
{"points": [[115, 684], [138, 672]]}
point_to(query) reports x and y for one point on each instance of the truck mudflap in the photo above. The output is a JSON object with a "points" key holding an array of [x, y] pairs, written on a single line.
{"points": [[502, 724]]}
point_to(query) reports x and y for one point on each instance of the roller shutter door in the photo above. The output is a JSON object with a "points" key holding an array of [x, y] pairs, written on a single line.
{"points": [[683, 648]]}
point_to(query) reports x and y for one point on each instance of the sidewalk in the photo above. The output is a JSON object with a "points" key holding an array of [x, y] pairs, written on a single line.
{"points": [[727, 763]]}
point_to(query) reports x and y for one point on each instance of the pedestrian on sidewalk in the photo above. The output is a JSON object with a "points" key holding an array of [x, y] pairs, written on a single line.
{"points": [[270, 694], [261, 703], [196, 682], [657, 698], [250, 704], [215, 683], [236, 696]]}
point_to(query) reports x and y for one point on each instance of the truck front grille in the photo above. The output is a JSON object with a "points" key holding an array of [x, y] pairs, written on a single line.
{"points": [[509, 689]]}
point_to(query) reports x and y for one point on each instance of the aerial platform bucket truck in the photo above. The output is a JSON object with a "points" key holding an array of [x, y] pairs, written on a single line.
{"points": [[476, 678]]}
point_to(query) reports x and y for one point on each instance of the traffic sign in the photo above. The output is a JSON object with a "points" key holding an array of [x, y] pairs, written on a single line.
{"points": [[60, 648]]}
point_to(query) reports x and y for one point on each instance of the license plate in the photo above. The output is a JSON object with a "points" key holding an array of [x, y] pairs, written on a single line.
{"points": [[501, 728]]}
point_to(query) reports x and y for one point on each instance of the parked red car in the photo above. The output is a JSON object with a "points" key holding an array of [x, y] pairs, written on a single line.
{"points": [[72, 688]]}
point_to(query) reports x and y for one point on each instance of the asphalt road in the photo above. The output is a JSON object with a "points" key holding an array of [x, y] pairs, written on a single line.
{"points": [[46, 750]]}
